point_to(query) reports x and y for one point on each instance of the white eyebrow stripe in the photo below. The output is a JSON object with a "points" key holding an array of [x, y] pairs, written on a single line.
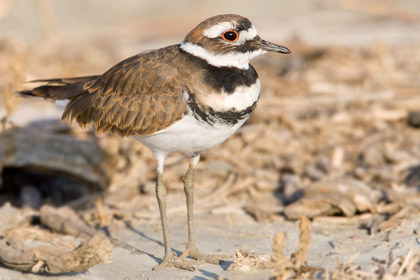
{"points": [[246, 35], [217, 29]]}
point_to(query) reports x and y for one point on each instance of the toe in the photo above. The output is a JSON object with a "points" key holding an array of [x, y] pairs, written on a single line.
{"points": [[208, 258], [184, 264], [174, 262]]}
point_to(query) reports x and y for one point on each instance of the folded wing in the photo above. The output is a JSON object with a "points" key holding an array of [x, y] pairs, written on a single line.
{"points": [[138, 96]]}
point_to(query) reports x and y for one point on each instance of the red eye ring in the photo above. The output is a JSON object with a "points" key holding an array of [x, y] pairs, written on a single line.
{"points": [[230, 36]]}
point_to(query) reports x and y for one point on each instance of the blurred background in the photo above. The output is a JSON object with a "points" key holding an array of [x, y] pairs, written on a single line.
{"points": [[335, 134]]}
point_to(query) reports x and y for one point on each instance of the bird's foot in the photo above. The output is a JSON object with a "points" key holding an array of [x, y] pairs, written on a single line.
{"points": [[191, 256], [193, 252], [170, 260]]}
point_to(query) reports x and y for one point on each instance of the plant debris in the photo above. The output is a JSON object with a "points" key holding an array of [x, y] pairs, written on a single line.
{"points": [[38, 250], [282, 266], [331, 197]]}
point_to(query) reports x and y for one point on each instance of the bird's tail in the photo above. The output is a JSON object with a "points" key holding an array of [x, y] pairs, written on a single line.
{"points": [[59, 89]]}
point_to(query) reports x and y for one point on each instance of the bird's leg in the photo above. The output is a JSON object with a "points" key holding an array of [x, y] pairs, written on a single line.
{"points": [[192, 249], [170, 258], [161, 195]]}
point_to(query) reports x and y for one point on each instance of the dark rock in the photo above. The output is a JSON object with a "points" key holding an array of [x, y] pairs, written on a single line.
{"points": [[413, 177], [413, 119]]}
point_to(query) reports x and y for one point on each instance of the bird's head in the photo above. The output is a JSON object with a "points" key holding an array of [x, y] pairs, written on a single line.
{"points": [[227, 41]]}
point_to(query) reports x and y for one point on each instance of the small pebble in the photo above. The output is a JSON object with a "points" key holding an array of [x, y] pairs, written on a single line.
{"points": [[413, 177], [413, 119], [31, 197]]}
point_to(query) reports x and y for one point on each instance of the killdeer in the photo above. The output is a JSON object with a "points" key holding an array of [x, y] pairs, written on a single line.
{"points": [[183, 98]]}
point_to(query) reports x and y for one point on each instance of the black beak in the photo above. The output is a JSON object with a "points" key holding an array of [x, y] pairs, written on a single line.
{"points": [[271, 47]]}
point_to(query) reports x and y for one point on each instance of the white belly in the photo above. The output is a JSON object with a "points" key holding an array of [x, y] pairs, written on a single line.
{"points": [[191, 136], [188, 136]]}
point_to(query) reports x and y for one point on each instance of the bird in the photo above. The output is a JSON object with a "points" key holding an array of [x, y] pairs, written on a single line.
{"points": [[185, 98]]}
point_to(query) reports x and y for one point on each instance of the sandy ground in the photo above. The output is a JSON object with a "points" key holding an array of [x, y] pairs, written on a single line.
{"points": [[88, 44], [332, 243]]}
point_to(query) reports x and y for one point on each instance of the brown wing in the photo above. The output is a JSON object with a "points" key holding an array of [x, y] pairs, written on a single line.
{"points": [[140, 95]]}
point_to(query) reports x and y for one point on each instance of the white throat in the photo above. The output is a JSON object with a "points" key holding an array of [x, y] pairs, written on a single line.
{"points": [[232, 59]]}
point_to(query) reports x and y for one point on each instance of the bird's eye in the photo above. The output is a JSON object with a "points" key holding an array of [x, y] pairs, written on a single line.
{"points": [[230, 36]]}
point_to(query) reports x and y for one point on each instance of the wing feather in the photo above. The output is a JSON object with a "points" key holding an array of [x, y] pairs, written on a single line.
{"points": [[140, 95]]}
